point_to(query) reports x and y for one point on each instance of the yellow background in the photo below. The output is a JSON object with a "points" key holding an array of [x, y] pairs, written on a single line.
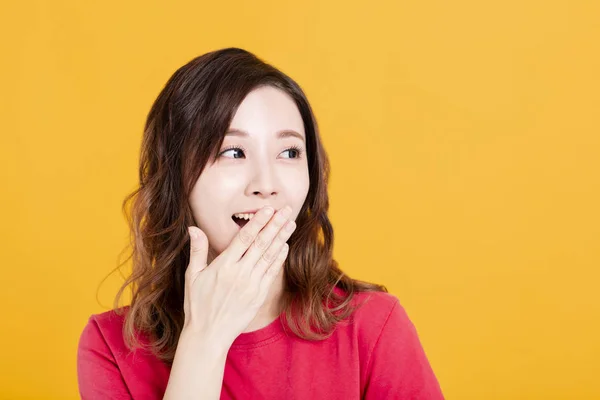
{"points": [[465, 143]]}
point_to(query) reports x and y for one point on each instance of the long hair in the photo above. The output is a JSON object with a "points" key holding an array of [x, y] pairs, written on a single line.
{"points": [[184, 130]]}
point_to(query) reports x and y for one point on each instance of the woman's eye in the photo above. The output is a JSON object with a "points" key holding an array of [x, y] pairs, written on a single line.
{"points": [[233, 150], [296, 151]]}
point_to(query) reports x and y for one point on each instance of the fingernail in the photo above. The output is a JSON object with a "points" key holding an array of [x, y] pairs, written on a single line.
{"points": [[268, 211], [192, 232], [291, 225]]}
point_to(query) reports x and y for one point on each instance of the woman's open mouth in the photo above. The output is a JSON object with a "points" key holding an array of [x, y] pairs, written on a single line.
{"points": [[241, 219]]}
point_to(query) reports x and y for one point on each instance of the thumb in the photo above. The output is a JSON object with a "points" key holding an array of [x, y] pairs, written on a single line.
{"points": [[198, 249]]}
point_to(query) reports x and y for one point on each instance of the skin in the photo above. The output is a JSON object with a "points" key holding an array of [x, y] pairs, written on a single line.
{"points": [[265, 172]]}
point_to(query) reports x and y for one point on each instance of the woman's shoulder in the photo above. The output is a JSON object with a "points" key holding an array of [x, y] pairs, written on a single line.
{"points": [[393, 361], [104, 330], [372, 305], [112, 317], [376, 300], [109, 321], [373, 311]]}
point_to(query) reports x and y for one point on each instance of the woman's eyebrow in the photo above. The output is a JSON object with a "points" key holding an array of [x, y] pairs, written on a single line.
{"points": [[280, 134]]}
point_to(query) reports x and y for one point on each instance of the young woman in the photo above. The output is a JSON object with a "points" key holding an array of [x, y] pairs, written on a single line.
{"points": [[235, 294]]}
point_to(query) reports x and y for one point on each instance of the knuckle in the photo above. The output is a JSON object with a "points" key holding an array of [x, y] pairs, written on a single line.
{"points": [[245, 237], [196, 249], [269, 257], [285, 233], [273, 271], [261, 243]]}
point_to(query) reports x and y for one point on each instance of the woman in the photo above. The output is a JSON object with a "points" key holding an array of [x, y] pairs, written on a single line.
{"points": [[246, 303]]}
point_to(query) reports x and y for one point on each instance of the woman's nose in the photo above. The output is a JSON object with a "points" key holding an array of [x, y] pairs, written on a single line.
{"points": [[264, 181]]}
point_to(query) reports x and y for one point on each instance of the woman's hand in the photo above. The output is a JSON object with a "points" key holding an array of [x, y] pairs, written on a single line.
{"points": [[221, 299]]}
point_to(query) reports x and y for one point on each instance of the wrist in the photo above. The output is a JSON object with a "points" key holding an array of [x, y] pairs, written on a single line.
{"points": [[203, 342]]}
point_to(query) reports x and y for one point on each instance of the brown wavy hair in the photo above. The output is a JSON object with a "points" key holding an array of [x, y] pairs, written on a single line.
{"points": [[184, 131]]}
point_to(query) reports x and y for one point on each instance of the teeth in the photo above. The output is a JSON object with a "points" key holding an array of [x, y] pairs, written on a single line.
{"points": [[244, 216]]}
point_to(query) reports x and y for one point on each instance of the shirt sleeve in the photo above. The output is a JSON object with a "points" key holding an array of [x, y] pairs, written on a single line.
{"points": [[98, 374], [398, 367]]}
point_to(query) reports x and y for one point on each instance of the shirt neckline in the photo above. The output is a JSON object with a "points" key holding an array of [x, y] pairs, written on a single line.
{"points": [[260, 337], [273, 332]]}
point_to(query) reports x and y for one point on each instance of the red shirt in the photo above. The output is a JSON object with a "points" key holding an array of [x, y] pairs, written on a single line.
{"points": [[374, 354]]}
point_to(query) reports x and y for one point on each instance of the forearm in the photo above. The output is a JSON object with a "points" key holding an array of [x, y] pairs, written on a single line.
{"points": [[198, 368]]}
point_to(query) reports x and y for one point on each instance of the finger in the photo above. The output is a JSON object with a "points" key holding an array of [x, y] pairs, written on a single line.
{"points": [[244, 238], [270, 255], [265, 237], [274, 269], [198, 250]]}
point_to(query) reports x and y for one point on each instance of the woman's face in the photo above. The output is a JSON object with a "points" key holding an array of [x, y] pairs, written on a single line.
{"points": [[262, 162]]}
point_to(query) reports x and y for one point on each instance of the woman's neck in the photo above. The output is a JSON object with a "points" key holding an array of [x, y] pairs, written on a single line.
{"points": [[271, 308]]}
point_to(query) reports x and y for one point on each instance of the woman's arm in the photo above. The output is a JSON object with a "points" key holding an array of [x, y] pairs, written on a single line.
{"points": [[198, 368]]}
